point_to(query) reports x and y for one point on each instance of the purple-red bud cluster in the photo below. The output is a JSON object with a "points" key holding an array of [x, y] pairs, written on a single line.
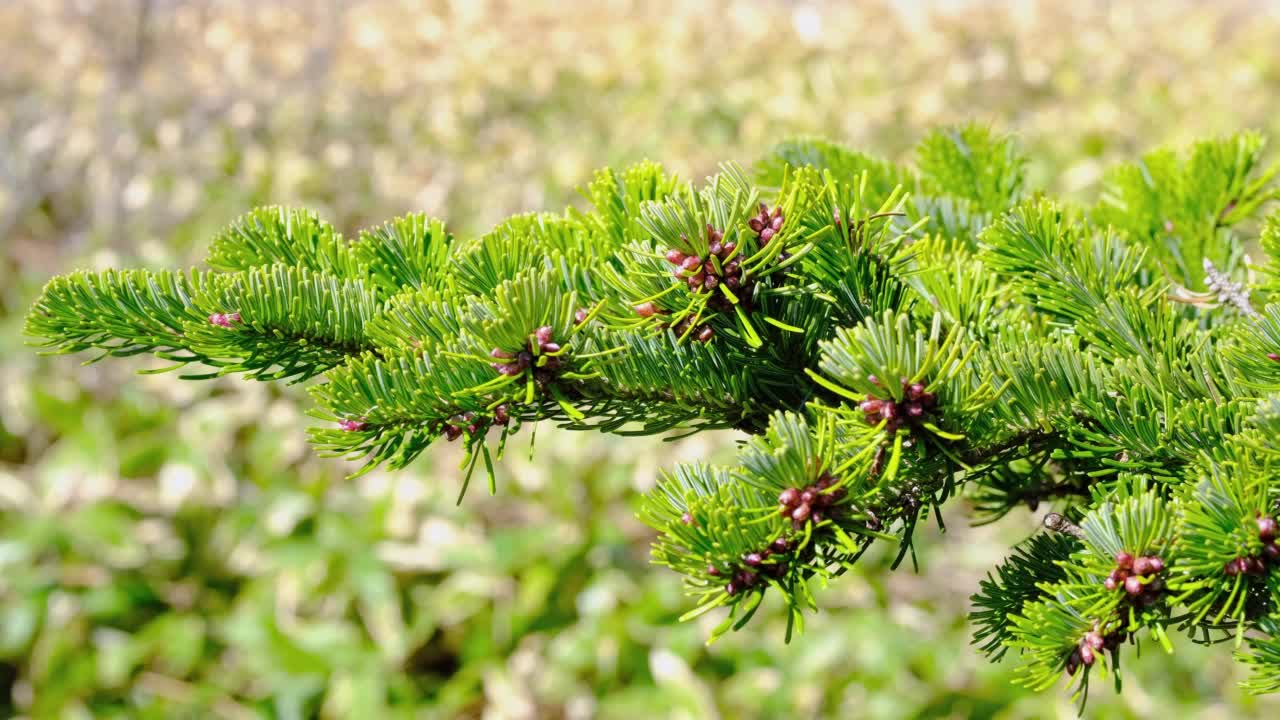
{"points": [[225, 320], [755, 567], [1257, 564], [766, 225], [722, 264], [811, 503], [1138, 577], [351, 425], [1093, 642], [914, 407], [518, 362]]}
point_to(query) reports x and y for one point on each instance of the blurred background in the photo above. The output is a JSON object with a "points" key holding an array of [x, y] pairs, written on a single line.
{"points": [[175, 550]]}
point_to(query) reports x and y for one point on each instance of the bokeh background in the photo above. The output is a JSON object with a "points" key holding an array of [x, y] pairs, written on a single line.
{"points": [[174, 550]]}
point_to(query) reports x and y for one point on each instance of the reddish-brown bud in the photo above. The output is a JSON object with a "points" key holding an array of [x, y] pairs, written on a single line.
{"points": [[752, 559], [1124, 560], [1133, 585], [675, 257], [706, 333], [790, 496], [543, 334], [646, 310], [1253, 565], [801, 513], [581, 315], [780, 545], [1086, 655], [1094, 640], [352, 425], [1142, 566], [1266, 529]]}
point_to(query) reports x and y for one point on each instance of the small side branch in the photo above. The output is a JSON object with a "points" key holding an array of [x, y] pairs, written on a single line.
{"points": [[1058, 522]]}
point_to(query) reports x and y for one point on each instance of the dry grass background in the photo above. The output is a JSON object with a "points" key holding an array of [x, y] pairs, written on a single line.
{"points": [[175, 550]]}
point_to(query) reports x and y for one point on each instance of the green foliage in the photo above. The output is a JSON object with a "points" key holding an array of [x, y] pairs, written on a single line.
{"points": [[1182, 205], [885, 353], [974, 164]]}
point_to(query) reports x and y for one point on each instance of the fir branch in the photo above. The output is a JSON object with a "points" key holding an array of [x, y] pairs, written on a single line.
{"points": [[887, 337]]}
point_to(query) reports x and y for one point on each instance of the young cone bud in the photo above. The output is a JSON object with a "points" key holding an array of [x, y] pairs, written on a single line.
{"points": [[1086, 655], [1266, 529], [1073, 662], [1133, 585], [1142, 566]]}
